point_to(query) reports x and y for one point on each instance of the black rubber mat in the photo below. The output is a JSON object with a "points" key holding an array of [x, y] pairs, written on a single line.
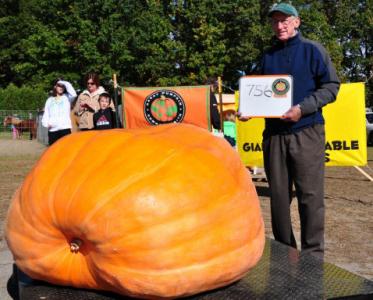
{"points": [[282, 273]]}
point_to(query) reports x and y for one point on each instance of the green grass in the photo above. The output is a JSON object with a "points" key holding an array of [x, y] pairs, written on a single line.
{"points": [[7, 135]]}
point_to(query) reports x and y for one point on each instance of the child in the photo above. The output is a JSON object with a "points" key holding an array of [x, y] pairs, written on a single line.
{"points": [[15, 133], [104, 118], [230, 127]]}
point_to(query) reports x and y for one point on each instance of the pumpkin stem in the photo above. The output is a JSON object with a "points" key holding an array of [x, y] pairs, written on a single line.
{"points": [[75, 245]]}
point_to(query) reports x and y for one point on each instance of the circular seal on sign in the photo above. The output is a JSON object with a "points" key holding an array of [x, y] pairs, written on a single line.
{"points": [[164, 106], [280, 86]]}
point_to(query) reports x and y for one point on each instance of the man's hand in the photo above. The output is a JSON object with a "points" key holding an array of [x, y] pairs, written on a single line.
{"points": [[242, 118], [293, 114]]}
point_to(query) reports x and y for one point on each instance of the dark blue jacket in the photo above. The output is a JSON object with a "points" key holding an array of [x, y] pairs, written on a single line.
{"points": [[315, 82]]}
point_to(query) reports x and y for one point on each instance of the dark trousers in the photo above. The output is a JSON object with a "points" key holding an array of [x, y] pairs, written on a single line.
{"points": [[297, 159], [53, 136]]}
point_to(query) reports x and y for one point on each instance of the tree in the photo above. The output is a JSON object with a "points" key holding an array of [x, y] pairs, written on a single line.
{"points": [[168, 42], [353, 22]]}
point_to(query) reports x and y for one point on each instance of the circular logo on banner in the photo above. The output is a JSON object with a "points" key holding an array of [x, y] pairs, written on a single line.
{"points": [[280, 86], [164, 106]]}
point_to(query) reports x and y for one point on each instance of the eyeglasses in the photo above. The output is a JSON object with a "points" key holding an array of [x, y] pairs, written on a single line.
{"points": [[91, 83], [284, 22]]}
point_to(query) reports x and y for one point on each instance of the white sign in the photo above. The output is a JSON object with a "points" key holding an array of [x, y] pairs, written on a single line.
{"points": [[265, 95]]}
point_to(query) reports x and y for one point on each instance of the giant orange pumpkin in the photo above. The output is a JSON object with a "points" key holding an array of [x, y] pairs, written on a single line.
{"points": [[166, 211]]}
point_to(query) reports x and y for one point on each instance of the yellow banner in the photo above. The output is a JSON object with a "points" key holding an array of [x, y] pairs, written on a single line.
{"points": [[346, 143]]}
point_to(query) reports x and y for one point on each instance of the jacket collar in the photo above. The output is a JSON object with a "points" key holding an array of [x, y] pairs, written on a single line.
{"points": [[99, 91], [292, 41]]}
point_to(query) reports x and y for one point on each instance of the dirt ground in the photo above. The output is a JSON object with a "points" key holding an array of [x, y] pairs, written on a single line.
{"points": [[348, 197]]}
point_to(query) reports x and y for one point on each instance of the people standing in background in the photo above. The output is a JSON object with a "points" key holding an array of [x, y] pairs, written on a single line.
{"points": [[104, 118], [230, 127], [87, 103], [15, 133], [56, 115], [214, 111], [70, 92]]}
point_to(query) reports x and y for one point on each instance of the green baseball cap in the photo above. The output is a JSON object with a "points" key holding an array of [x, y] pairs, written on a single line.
{"points": [[284, 8]]}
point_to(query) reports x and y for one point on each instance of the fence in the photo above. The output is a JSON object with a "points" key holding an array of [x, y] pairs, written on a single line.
{"points": [[27, 123], [41, 133]]}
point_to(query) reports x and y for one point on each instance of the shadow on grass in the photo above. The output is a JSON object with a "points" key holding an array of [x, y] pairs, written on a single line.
{"points": [[263, 191]]}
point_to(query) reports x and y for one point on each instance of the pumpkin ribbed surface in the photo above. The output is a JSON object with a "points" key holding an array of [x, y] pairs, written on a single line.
{"points": [[166, 211]]}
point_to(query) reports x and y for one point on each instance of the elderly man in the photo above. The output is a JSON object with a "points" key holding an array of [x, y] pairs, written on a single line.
{"points": [[294, 145]]}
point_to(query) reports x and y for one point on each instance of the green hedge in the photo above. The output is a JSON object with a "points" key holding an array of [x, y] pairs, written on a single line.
{"points": [[22, 98]]}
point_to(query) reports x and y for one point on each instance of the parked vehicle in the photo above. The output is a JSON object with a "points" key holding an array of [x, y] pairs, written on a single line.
{"points": [[369, 117]]}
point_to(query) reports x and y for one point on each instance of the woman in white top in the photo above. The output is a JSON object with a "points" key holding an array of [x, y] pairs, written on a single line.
{"points": [[56, 115]]}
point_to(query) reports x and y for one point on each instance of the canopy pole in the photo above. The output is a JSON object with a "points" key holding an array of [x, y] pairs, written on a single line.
{"points": [[220, 104], [116, 99]]}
